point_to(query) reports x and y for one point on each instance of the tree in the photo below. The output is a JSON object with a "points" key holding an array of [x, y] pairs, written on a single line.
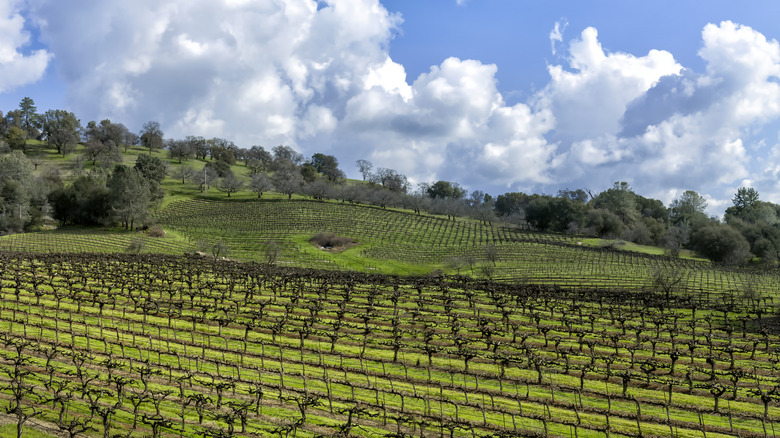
{"points": [[16, 191], [152, 136], [260, 154], [308, 172], [129, 196], [222, 150], [539, 213], [364, 166], [61, 130], [604, 223], [204, 178], [12, 118], [152, 168], [154, 171], [688, 208], [621, 200], [328, 166], [721, 243], [287, 180], [318, 188], [391, 180], [261, 183], [14, 136], [179, 149], [130, 138], [230, 183], [676, 238], [745, 197], [511, 203], [578, 195], [184, 173], [286, 154], [107, 132], [84, 202], [221, 168], [106, 154], [29, 118], [445, 190]]}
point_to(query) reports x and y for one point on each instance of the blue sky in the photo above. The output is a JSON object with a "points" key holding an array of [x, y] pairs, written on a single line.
{"points": [[667, 95]]}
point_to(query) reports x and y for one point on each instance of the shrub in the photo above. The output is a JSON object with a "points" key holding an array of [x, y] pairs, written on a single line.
{"points": [[330, 240], [156, 232], [721, 243]]}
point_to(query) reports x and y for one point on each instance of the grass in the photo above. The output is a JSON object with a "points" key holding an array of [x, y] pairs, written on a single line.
{"points": [[622, 245], [361, 370]]}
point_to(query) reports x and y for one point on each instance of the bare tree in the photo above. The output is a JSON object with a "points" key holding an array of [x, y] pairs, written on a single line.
{"points": [[261, 183], [365, 167], [230, 183]]}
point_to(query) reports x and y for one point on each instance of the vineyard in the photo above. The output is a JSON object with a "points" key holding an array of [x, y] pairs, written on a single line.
{"points": [[91, 240], [518, 255], [400, 242], [165, 346]]}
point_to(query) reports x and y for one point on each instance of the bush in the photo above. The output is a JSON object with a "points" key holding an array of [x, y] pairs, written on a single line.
{"points": [[603, 223], [330, 240], [721, 243], [156, 232]]}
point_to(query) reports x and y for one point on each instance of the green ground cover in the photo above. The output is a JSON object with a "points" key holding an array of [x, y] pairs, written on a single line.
{"points": [[149, 342], [382, 338], [399, 243]]}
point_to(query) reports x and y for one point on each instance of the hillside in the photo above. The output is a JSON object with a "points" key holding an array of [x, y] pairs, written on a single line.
{"points": [[306, 317], [385, 240]]}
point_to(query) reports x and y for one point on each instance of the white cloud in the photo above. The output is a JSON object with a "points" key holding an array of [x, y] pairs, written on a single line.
{"points": [[590, 99], [318, 76], [556, 35], [259, 72], [16, 67], [455, 124], [663, 128]]}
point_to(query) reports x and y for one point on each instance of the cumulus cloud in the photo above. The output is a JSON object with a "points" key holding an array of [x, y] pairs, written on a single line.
{"points": [[318, 76], [664, 128], [455, 124], [16, 67], [589, 99], [261, 72]]}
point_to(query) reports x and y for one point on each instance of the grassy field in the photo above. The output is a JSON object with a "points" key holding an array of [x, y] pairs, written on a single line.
{"points": [[149, 342]]}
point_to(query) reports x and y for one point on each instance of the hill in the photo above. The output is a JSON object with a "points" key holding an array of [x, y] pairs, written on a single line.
{"points": [[336, 318], [384, 240]]}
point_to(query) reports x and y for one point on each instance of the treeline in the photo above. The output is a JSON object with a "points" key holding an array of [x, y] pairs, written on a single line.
{"points": [[116, 194]]}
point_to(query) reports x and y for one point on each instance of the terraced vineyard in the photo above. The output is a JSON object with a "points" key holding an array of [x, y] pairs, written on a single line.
{"points": [[166, 346], [397, 242], [383, 235], [91, 240]]}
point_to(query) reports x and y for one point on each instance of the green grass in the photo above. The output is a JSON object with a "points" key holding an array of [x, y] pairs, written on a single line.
{"points": [[623, 245], [191, 339], [9, 430]]}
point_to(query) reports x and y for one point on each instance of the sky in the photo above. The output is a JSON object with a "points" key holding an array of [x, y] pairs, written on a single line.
{"points": [[497, 95]]}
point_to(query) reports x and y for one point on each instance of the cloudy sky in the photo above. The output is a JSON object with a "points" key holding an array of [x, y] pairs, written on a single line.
{"points": [[499, 95]]}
